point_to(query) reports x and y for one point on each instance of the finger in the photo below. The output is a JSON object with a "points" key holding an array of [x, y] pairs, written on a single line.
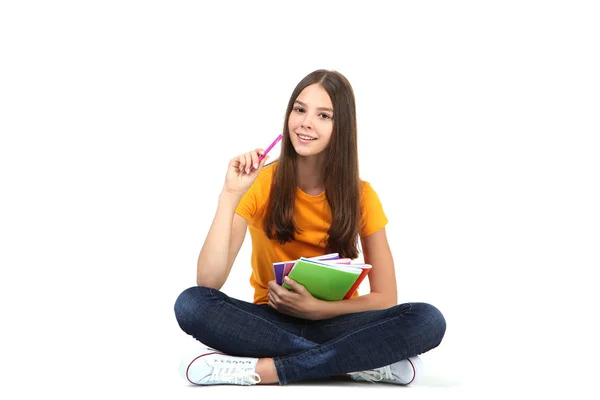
{"points": [[296, 287], [248, 157], [276, 288], [273, 305], [255, 156], [234, 163], [241, 163], [273, 300], [285, 296]]}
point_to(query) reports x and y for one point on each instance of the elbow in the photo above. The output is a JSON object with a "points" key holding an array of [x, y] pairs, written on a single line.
{"points": [[387, 304], [208, 282], [210, 276], [388, 301], [391, 304], [393, 301]]}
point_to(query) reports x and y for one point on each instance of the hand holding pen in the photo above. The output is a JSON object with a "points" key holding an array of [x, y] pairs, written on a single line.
{"points": [[244, 169]]}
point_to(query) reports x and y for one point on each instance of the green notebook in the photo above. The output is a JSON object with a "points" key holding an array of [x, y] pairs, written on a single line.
{"points": [[324, 281]]}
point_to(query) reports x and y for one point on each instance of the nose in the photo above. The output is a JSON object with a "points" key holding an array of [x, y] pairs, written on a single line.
{"points": [[307, 122]]}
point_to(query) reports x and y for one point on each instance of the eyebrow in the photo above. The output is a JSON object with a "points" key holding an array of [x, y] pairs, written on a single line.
{"points": [[319, 108]]}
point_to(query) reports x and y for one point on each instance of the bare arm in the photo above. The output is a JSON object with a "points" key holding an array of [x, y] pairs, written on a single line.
{"points": [[228, 230], [222, 244], [382, 279]]}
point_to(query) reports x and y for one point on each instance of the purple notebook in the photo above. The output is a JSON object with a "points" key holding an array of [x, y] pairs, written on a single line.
{"points": [[278, 267]]}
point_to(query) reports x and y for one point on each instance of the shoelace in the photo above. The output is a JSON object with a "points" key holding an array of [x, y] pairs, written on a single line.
{"points": [[375, 375], [233, 371]]}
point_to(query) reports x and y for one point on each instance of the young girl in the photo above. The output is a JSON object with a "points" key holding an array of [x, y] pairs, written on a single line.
{"points": [[310, 202]]}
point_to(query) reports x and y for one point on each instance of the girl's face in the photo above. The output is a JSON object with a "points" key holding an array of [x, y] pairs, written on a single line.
{"points": [[311, 121]]}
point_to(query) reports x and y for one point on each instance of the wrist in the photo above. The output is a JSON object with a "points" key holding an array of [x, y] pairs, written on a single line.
{"points": [[227, 196], [324, 309], [228, 201]]}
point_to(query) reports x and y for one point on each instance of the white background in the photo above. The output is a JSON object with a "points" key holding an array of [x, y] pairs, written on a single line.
{"points": [[478, 127]]}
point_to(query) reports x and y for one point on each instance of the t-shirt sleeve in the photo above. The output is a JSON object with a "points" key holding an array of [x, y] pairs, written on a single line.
{"points": [[373, 217], [254, 200]]}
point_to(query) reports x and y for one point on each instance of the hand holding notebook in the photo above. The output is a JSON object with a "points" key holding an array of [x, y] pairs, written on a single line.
{"points": [[326, 277]]}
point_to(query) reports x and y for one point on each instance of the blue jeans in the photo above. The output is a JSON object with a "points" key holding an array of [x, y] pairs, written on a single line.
{"points": [[304, 349]]}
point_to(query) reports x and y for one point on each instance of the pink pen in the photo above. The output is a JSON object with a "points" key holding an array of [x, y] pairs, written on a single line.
{"points": [[263, 155]]}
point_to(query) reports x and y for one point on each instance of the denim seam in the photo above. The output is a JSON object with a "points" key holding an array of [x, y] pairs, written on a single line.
{"points": [[280, 370], [212, 293]]}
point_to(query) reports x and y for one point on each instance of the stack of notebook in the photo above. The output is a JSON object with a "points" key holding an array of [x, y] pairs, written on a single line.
{"points": [[326, 277]]}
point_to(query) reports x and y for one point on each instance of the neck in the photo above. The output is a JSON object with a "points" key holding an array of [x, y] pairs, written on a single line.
{"points": [[309, 177]]}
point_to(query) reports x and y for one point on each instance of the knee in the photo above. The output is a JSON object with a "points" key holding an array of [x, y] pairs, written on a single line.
{"points": [[434, 319], [191, 304]]}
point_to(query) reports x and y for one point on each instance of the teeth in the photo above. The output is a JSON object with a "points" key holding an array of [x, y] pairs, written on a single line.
{"points": [[306, 137]]}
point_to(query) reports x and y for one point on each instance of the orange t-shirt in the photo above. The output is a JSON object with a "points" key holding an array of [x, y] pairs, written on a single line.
{"points": [[312, 216]]}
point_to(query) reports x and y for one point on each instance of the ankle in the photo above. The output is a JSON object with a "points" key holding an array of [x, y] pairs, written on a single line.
{"points": [[265, 368]]}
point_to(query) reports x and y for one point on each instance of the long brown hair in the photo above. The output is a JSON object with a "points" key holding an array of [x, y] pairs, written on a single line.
{"points": [[342, 181]]}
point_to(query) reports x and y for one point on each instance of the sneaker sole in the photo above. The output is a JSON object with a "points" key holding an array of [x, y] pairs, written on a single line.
{"points": [[187, 370], [414, 371]]}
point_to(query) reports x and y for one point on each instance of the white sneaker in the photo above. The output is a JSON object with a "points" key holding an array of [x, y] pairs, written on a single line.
{"points": [[403, 372], [208, 366]]}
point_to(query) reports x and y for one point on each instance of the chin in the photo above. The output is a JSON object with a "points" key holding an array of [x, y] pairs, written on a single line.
{"points": [[308, 153], [305, 151], [302, 152]]}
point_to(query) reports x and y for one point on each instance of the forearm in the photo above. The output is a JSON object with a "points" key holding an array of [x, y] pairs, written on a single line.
{"points": [[213, 261], [371, 301]]}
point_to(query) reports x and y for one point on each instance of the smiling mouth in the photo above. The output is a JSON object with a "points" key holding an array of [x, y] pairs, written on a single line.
{"points": [[304, 137]]}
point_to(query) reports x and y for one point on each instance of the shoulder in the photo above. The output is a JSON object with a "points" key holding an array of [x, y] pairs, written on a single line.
{"points": [[373, 217], [367, 193], [365, 185]]}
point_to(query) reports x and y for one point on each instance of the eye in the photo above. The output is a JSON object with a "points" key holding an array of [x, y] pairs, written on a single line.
{"points": [[325, 116], [299, 109]]}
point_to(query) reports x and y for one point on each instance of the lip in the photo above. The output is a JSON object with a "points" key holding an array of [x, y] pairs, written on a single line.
{"points": [[298, 134]]}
